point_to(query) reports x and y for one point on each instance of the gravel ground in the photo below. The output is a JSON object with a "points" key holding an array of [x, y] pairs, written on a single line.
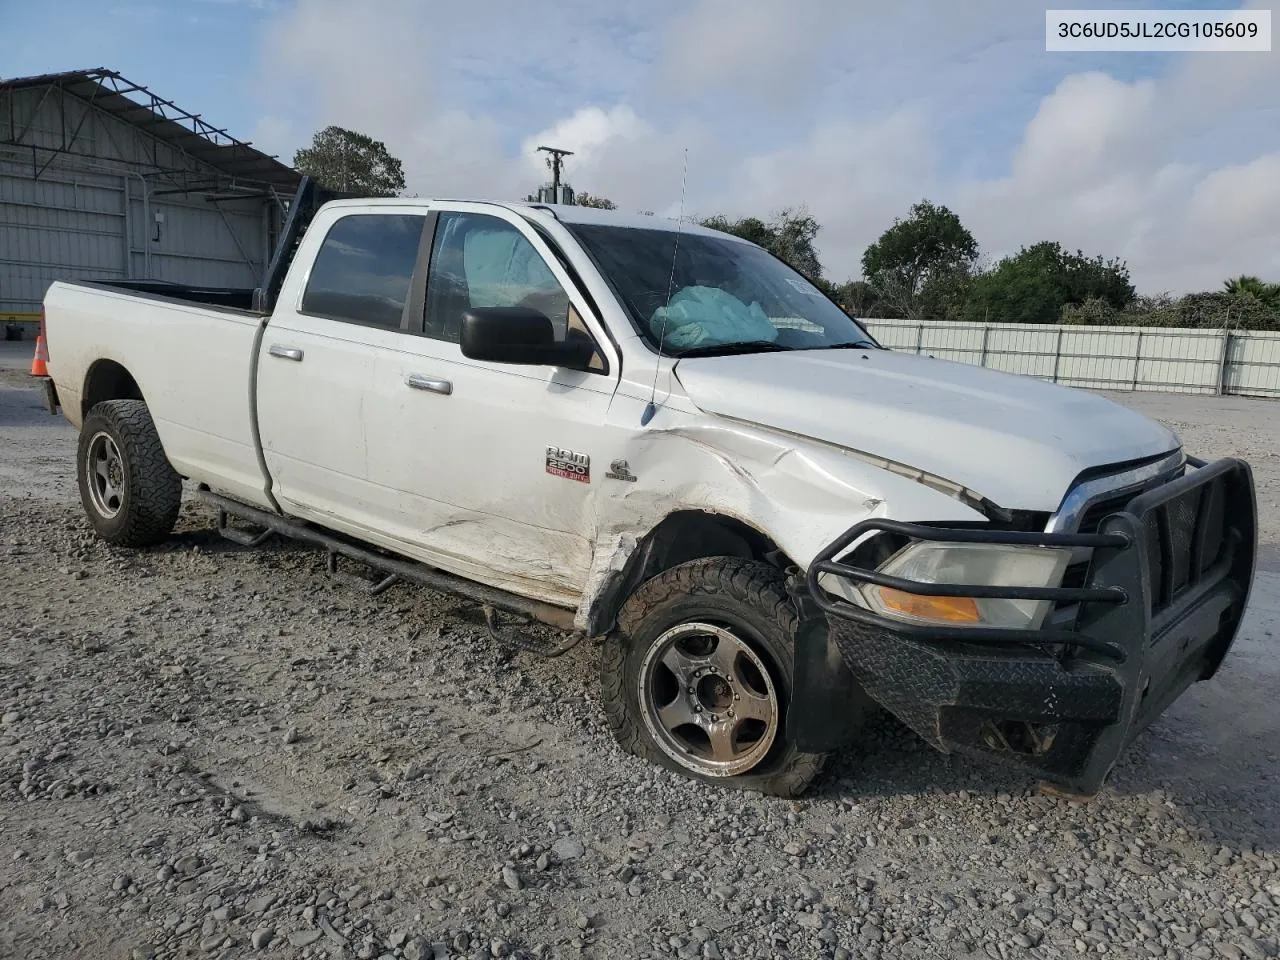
{"points": [[213, 752]]}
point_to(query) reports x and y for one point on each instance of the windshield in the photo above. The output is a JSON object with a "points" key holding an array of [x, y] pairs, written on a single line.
{"points": [[726, 296]]}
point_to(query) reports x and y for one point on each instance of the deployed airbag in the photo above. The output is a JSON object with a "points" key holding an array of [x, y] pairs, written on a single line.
{"points": [[705, 316]]}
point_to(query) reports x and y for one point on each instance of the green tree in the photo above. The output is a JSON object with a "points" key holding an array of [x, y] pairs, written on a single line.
{"points": [[1037, 283], [946, 292], [857, 298], [789, 235], [1207, 310], [1093, 312], [1086, 278], [600, 203], [922, 263], [350, 162], [1014, 292], [1250, 286]]}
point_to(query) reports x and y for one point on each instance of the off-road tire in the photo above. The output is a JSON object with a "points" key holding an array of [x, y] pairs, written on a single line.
{"points": [[746, 596], [152, 490]]}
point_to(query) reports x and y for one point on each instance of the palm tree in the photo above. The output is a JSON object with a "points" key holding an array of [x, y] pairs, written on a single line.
{"points": [[1249, 286]]}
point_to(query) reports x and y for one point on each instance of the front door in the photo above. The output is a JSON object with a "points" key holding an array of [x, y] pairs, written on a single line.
{"points": [[505, 459]]}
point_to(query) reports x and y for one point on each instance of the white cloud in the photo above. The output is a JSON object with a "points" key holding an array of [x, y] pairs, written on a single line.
{"points": [[1238, 200], [1098, 168], [589, 133], [853, 177], [277, 136], [1235, 212], [764, 47], [1089, 124], [852, 108], [619, 155]]}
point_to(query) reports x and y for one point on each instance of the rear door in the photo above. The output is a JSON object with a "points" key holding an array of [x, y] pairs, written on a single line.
{"points": [[321, 356]]}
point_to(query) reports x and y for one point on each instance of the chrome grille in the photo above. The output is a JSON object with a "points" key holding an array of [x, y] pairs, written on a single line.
{"points": [[1094, 498], [1088, 503]]}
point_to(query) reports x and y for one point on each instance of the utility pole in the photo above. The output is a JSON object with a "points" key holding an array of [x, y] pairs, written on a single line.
{"points": [[554, 162]]}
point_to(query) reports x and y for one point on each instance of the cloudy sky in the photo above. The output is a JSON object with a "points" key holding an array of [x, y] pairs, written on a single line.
{"points": [[853, 108]]}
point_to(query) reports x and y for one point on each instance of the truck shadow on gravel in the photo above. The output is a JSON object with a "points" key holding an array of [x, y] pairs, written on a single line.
{"points": [[1198, 788]]}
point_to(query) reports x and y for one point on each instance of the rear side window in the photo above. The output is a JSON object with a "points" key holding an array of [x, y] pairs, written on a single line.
{"points": [[363, 270]]}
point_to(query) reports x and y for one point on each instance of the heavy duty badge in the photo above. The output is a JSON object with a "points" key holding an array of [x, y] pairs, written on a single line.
{"points": [[567, 464]]}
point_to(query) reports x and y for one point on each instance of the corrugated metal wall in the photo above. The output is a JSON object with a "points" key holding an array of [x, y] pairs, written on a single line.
{"points": [[57, 227], [1244, 363], [201, 243], [87, 216]]}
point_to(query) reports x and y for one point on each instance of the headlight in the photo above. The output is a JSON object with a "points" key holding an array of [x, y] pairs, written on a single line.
{"points": [[984, 564]]}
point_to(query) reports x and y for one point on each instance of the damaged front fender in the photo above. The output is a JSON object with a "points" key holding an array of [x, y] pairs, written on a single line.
{"points": [[828, 707], [775, 494]]}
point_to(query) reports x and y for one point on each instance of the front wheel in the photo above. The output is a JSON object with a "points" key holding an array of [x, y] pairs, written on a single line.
{"points": [[698, 675], [129, 490]]}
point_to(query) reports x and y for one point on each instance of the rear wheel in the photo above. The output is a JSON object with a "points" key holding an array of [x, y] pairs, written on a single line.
{"points": [[698, 675], [127, 486]]}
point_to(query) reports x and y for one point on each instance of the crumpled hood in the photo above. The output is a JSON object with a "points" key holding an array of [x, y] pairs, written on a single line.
{"points": [[1018, 441]]}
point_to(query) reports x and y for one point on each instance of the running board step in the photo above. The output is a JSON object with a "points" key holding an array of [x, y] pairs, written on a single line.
{"points": [[242, 537], [528, 642], [373, 588], [394, 568]]}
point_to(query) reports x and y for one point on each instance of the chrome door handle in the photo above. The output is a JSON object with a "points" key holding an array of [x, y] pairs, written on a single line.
{"points": [[285, 353], [419, 382]]}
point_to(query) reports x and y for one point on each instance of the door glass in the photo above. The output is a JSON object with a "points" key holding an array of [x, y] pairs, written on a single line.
{"points": [[482, 261], [363, 269]]}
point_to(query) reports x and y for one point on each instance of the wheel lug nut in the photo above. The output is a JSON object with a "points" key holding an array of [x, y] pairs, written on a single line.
{"points": [[697, 708]]}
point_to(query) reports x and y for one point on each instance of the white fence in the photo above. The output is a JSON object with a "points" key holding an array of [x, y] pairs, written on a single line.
{"points": [[1237, 362]]}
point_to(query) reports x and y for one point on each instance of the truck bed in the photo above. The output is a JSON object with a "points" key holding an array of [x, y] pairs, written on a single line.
{"points": [[191, 361], [236, 298]]}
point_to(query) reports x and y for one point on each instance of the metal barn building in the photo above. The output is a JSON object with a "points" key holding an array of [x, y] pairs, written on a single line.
{"points": [[102, 179]]}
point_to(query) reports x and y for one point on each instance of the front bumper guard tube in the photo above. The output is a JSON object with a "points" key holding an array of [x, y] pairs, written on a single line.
{"points": [[1162, 602]]}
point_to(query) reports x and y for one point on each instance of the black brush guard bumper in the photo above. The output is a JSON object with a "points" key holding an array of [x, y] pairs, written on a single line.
{"points": [[1160, 607]]}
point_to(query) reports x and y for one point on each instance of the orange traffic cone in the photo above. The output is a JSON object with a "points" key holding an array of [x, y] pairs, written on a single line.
{"points": [[40, 362]]}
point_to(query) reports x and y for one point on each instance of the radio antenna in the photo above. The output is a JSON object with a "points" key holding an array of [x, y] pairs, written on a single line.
{"points": [[651, 407]]}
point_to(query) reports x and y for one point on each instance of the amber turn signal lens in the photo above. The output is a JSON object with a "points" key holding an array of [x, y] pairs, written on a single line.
{"points": [[919, 606]]}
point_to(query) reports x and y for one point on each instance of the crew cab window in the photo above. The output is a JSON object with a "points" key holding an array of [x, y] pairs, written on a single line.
{"points": [[483, 261], [363, 270]]}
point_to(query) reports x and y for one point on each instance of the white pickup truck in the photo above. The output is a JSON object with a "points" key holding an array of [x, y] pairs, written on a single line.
{"points": [[662, 436]]}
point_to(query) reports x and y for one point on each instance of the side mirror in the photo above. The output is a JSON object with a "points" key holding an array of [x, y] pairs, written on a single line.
{"points": [[519, 335]]}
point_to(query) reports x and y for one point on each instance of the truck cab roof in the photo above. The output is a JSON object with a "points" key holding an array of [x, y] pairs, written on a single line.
{"points": [[562, 212]]}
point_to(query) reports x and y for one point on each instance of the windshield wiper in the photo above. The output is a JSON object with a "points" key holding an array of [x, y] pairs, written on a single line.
{"points": [[851, 345], [724, 349]]}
